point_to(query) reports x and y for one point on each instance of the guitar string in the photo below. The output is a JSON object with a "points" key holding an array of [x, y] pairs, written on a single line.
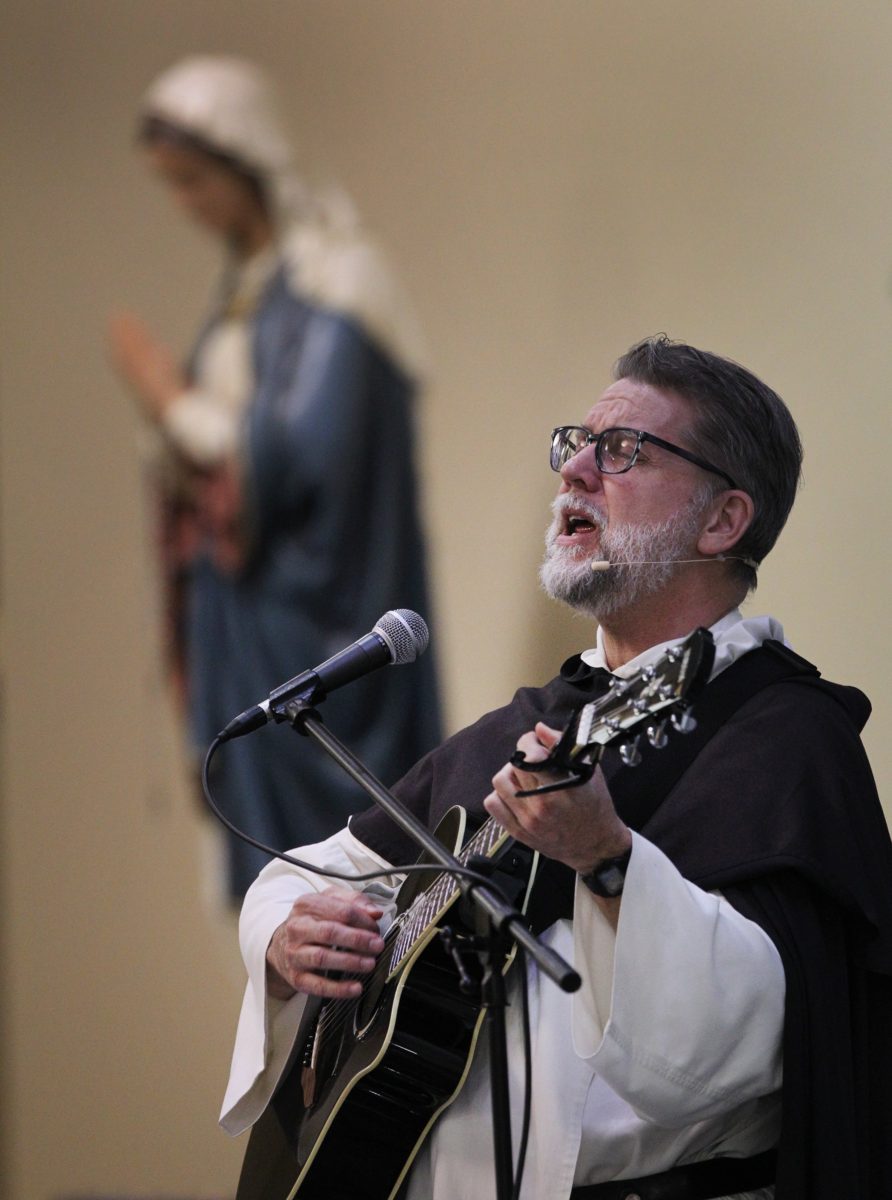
{"points": [[335, 1012], [339, 1009]]}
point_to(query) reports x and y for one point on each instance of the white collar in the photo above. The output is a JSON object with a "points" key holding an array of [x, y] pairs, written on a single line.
{"points": [[734, 635]]}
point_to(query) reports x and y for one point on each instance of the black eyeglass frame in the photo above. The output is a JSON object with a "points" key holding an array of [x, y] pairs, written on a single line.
{"points": [[598, 440]]}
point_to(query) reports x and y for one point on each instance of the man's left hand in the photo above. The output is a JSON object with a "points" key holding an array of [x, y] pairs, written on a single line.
{"points": [[578, 826]]}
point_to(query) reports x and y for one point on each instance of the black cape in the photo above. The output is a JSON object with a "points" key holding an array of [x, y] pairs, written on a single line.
{"points": [[773, 802]]}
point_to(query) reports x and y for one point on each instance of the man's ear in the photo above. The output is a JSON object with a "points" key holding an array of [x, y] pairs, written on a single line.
{"points": [[727, 520]]}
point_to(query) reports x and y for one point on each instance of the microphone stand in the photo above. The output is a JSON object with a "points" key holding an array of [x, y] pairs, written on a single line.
{"points": [[503, 921]]}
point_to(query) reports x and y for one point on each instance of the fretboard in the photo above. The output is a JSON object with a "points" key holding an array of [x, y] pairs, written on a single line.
{"points": [[429, 906]]}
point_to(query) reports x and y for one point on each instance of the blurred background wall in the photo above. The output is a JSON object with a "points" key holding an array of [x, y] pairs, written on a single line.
{"points": [[553, 181]]}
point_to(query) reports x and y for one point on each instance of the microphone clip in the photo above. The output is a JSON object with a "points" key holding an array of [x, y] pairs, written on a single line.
{"points": [[297, 712]]}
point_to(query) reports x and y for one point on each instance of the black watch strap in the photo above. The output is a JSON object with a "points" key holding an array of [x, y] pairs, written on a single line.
{"points": [[608, 878]]}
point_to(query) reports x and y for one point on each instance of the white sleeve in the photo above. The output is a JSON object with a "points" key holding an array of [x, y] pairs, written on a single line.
{"points": [[267, 1027], [681, 1009]]}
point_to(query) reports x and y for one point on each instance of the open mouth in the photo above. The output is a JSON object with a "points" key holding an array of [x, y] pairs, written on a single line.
{"points": [[574, 525], [577, 525]]}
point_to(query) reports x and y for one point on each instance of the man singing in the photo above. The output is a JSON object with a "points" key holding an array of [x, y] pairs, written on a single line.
{"points": [[726, 904]]}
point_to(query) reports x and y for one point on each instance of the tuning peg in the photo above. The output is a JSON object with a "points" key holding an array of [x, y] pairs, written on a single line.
{"points": [[657, 735], [684, 721], [629, 753]]}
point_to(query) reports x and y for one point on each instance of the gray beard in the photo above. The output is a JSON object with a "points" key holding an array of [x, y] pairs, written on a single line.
{"points": [[568, 577]]}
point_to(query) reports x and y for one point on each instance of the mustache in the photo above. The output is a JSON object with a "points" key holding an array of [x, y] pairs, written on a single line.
{"points": [[580, 505]]}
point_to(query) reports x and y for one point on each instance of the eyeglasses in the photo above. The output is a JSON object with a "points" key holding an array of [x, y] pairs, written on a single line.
{"points": [[616, 450]]}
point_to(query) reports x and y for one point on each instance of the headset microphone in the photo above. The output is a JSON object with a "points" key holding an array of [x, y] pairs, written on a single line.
{"points": [[604, 564]]}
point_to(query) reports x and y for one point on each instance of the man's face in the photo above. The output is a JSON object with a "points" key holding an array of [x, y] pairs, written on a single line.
{"points": [[651, 512]]}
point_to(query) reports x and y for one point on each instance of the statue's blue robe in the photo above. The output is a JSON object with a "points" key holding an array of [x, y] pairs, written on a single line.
{"points": [[334, 543]]}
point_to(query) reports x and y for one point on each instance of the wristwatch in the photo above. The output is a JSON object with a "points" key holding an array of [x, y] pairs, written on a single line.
{"points": [[609, 876]]}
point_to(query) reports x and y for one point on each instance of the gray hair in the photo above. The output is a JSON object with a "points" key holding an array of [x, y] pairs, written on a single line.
{"points": [[740, 424]]}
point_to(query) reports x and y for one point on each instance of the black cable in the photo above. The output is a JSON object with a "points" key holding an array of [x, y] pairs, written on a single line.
{"points": [[528, 1073], [464, 872]]}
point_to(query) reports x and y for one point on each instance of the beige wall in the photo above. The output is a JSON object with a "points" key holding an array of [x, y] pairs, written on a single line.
{"points": [[555, 180]]}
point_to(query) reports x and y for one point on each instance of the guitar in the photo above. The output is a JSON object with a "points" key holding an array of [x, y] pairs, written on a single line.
{"points": [[372, 1074]]}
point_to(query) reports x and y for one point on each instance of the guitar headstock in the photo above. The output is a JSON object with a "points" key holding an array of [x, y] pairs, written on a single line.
{"points": [[658, 697]]}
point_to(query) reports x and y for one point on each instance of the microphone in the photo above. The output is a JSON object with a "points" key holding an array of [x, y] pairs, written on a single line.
{"points": [[398, 637], [603, 564]]}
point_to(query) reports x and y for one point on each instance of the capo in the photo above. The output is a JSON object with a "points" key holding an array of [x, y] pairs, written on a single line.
{"points": [[580, 773]]}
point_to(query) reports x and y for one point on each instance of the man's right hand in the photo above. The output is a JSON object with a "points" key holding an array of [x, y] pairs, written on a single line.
{"points": [[335, 930]]}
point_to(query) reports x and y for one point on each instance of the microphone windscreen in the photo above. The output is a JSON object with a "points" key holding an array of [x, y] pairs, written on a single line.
{"points": [[600, 564], [405, 633]]}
